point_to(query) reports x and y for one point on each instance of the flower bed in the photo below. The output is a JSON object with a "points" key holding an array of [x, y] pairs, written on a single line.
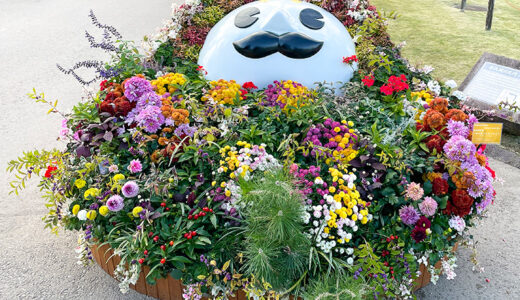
{"points": [[290, 190]]}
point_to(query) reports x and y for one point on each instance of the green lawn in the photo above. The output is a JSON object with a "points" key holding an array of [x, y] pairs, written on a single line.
{"points": [[438, 34]]}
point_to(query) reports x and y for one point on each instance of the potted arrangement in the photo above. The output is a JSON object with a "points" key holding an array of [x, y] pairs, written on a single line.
{"points": [[264, 193]]}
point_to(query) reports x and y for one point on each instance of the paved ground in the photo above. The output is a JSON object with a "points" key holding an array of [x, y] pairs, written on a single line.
{"points": [[34, 35]]}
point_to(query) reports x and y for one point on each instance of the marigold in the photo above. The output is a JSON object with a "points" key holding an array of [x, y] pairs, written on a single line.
{"points": [[434, 119]]}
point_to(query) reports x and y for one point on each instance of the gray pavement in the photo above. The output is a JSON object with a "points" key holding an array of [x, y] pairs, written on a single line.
{"points": [[34, 36]]}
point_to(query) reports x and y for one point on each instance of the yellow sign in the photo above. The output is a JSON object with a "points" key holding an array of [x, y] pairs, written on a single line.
{"points": [[487, 133]]}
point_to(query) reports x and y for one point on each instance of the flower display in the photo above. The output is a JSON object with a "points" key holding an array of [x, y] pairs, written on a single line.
{"points": [[230, 187]]}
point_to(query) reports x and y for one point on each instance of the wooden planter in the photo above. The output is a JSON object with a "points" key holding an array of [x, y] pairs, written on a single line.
{"points": [[171, 289]]}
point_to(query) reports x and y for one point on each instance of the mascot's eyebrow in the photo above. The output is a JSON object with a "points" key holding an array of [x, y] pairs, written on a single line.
{"points": [[311, 19], [246, 17]]}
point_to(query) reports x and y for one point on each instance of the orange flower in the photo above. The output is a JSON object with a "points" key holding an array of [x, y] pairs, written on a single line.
{"points": [[440, 105], [434, 119], [456, 115], [482, 159], [163, 141]]}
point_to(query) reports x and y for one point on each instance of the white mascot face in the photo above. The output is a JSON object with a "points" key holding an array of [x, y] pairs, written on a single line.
{"points": [[270, 40]]}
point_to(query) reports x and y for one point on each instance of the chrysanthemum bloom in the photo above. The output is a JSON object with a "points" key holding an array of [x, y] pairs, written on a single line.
{"points": [[459, 204], [457, 223], [456, 115], [135, 166], [440, 105], [408, 215], [414, 191], [115, 203], [458, 128], [130, 189], [135, 87], [113, 169], [423, 222], [459, 148], [434, 119], [428, 206], [440, 186], [435, 142], [418, 234], [150, 118]]}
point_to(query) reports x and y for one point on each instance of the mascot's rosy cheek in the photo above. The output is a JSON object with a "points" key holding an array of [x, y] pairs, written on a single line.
{"points": [[270, 40]]}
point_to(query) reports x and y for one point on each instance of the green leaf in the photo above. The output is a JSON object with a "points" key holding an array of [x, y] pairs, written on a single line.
{"points": [[176, 274], [181, 259], [213, 220]]}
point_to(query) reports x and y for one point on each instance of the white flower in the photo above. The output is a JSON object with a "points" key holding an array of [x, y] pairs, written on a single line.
{"points": [[457, 223], [427, 69], [434, 86], [460, 95], [451, 84], [82, 215], [350, 261]]}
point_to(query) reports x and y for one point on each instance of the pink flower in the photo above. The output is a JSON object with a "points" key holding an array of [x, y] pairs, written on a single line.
{"points": [[135, 166], [414, 191], [428, 206]]}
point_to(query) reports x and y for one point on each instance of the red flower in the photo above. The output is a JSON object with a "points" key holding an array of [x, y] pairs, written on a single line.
{"points": [[491, 171], [423, 222], [368, 80], [50, 170], [435, 142], [103, 85], [418, 234], [350, 59], [386, 89], [202, 70], [459, 204], [440, 186], [249, 85]]}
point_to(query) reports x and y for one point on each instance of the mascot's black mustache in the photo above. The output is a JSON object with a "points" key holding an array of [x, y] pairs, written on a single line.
{"points": [[293, 45]]}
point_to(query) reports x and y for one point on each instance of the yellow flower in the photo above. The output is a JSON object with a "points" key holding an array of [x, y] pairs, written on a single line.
{"points": [[91, 214], [213, 183], [228, 193], [337, 129], [223, 184], [92, 192], [232, 175], [75, 209], [350, 123], [80, 183], [332, 189], [354, 217], [103, 210], [118, 177], [136, 211]]}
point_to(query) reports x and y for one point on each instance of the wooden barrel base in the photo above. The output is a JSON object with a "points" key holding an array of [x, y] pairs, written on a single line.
{"points": [[171, 289]]}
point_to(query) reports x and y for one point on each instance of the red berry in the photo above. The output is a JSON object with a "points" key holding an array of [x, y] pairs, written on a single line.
{"points": [[171, 243], [156, 238], [194, 233], [203, 214], [392, 271], [388, 240], [188, 237], [163, 260], [145, 252], [163, 204], [211, 210], [205, 209], [196, 217], [141, 261], [150, 234], [190, 217], [167, 209], [163, 247]]}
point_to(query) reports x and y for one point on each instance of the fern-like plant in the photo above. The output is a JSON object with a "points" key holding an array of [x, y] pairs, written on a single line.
{"points": [[275, 247]]}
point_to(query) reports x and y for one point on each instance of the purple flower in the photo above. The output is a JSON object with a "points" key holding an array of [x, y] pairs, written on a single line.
{"points": [[428, 206], [459, 148], [458, 128], [115, 203], [130, 189], [408, 215], [149, 99], [472, 120], [135, 166], [150, 118], [185, 129], [135, 87]]}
